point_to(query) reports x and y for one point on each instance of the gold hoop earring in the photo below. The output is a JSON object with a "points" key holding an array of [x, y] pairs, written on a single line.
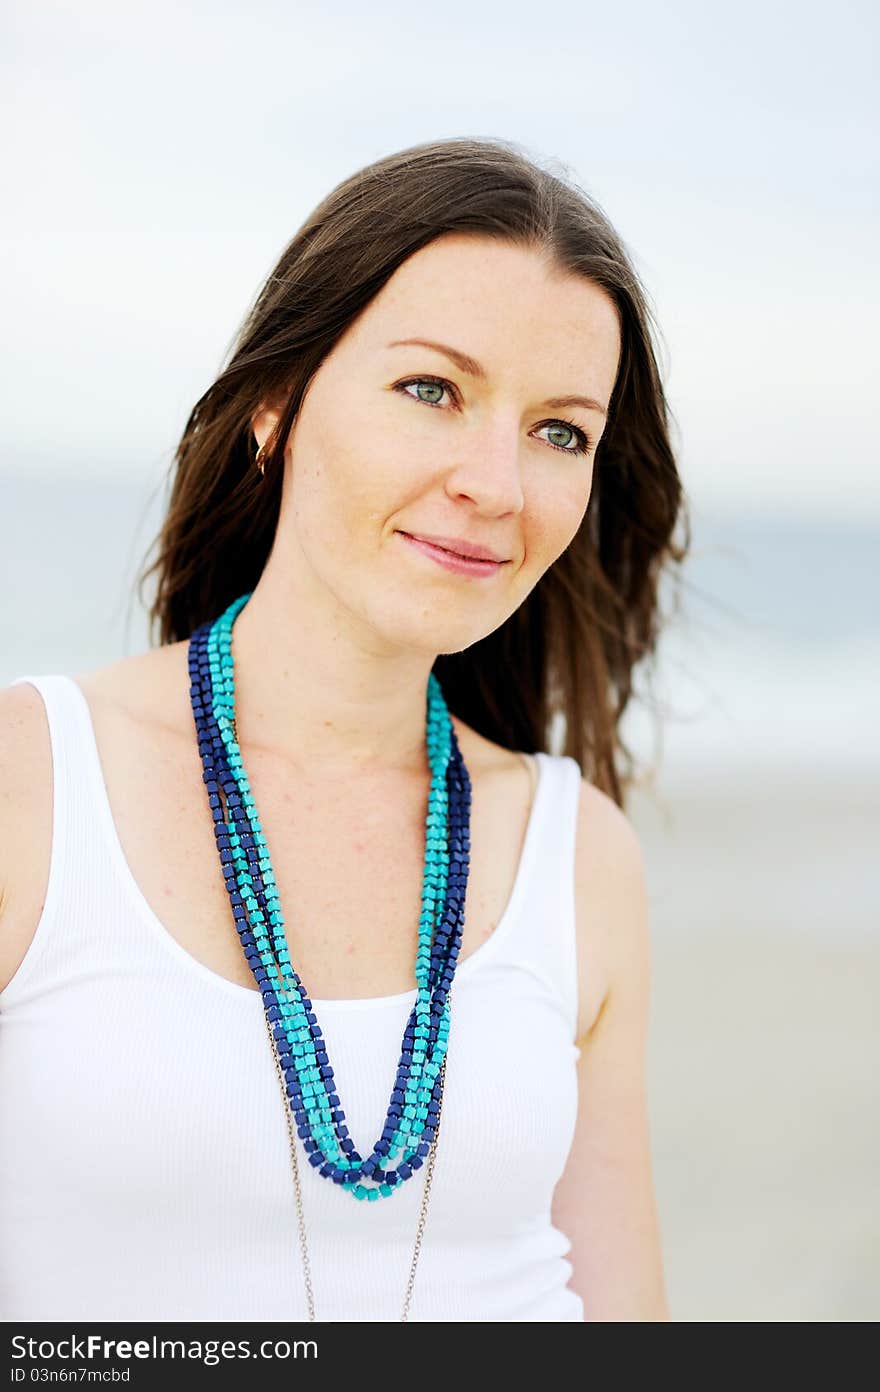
{"points": [[260, 460]]}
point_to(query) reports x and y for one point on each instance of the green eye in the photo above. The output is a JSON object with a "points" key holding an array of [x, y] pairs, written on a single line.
{"points": [[432, 383], [440, 385], [570, 429]]}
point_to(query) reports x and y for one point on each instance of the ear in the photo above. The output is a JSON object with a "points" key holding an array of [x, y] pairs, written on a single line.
{"points": [[264, 422]]}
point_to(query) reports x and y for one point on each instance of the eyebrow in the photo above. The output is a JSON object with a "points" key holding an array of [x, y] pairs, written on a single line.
{"points": [[474, 369]]}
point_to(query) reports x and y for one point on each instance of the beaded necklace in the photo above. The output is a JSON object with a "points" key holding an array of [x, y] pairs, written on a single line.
{"points": [[299, 1049]]}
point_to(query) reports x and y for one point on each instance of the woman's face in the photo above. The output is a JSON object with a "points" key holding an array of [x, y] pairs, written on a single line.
{"points": [[395, 440]]}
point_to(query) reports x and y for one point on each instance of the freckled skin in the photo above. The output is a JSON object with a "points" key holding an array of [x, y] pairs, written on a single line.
{"points": [[364, 461]]}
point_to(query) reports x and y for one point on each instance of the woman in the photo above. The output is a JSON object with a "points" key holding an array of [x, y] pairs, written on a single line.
{"points": [[419, 517]]}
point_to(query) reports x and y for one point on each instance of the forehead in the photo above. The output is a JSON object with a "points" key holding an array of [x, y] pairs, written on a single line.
{"points": [[483, 294]]}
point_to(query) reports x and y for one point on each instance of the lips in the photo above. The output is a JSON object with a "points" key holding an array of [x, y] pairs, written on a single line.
{"points": [[450, 560], [457, 546]]}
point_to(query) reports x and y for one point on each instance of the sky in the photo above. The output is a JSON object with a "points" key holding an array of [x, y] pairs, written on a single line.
{"points": [[161, 156]]}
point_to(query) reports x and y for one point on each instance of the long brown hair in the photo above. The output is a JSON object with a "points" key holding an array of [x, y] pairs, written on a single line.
{"points": [[567, 655]]}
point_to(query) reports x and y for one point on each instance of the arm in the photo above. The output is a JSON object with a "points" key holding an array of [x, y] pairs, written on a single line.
{"points": [[604, 1201]]}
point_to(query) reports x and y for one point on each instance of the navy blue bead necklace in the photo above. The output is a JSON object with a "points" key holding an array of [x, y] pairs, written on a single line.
{"points": [[312, 1104]]}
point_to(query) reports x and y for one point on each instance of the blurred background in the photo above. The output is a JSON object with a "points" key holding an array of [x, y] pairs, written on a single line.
{"points": [[161, 156]]}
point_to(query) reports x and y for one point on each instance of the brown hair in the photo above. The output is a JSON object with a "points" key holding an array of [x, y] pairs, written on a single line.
{"points": [[571, 647]]}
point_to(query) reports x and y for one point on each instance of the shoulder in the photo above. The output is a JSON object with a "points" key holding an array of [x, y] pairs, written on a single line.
{"points": [[611, 903], [25, 819], [152, 685], [25, 758], [503, 780], [26, 786]]}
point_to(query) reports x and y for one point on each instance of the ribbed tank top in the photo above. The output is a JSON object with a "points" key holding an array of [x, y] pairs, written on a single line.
{"points": [[144, 1162]]}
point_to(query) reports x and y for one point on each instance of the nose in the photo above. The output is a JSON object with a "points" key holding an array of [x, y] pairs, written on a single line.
{"points": [[486, 469]]}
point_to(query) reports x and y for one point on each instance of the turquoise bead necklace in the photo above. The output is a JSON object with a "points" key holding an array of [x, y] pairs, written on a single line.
{"points": [[312, 1105]]}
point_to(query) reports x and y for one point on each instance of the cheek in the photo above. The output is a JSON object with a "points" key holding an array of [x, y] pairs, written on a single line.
{"points": [[555, 514], [336, 490]]}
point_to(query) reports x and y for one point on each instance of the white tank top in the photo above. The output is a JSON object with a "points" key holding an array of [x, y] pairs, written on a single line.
{"points": [[145, 1169]]}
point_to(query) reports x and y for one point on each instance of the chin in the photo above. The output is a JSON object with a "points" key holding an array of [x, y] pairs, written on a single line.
{"points": [[422, 628]]}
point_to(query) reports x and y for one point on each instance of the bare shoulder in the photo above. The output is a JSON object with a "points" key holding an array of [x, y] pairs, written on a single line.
{"points": [[492, 762], [152, 685], [26, 789], [611, 906], [25, 820], [25, 770]]}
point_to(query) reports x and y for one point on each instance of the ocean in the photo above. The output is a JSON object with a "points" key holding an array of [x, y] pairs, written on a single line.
{"points": [[772, 658]]}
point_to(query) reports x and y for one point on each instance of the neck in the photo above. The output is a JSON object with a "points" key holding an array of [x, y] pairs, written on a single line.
{"points": [[318, 688]]}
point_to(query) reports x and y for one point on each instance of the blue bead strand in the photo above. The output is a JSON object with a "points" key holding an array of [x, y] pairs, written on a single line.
{"points": [[414, 1107], [397, 1139], [404, 1127]]}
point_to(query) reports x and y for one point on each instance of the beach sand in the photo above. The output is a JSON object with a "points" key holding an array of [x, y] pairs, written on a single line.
{"points": [[763, 1045]]}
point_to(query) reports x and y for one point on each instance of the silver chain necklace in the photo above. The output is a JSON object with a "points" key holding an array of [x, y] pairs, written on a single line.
{"points": [[310, 1297]]}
